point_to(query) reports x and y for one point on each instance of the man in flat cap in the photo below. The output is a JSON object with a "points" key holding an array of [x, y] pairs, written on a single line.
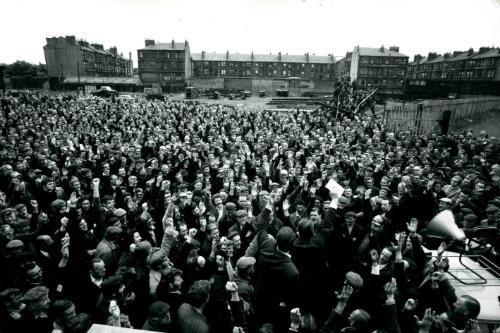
{"points": [[243, 227], [445, 203], [245, 267], [35, 314], [159, 317]]}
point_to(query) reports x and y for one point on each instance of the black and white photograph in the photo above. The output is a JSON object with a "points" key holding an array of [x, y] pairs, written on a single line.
{"points": [[250, 166]]}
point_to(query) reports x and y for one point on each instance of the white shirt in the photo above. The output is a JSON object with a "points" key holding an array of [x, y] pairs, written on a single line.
{"points": [[95, 281]]}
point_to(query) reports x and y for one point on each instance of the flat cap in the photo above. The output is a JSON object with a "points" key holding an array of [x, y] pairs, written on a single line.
{"points": [[241, 213], [447, 200], [350, 214], [13, 244], [35, 294], [489, 209], [245, 262], [156, 258], [119, 212], [470, 218], [354, 279], [158, 309], [231, 234]]}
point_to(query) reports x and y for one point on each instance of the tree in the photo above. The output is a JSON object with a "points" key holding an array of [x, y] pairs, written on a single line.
{"points": [[21, 68]]}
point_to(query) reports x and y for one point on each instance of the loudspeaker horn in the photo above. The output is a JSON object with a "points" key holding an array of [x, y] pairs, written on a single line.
{"points": [[443, 225]]}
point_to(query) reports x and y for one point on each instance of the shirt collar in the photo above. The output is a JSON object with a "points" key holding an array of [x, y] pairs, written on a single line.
{"points": [[95, 281]]}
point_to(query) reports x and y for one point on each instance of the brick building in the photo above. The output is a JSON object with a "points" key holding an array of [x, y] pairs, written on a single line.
{"points": [[306, 67], [460, 72], [66, 57], [382, 68], [165, 64], [172, 67], [255, 72]]}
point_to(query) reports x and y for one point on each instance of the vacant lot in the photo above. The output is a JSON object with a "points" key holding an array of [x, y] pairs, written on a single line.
{"points": [[488, 121]]}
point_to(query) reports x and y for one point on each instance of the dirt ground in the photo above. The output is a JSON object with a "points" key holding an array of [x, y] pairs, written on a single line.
{"points": [[488, 121]]}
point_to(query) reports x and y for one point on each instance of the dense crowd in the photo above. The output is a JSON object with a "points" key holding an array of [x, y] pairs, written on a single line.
{"points": [[184, 217]]}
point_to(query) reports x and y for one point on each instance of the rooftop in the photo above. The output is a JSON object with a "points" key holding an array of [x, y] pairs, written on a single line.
{"points": [[379, 52], [314, 59], [165, 46], [488, 54], [93, 80]]}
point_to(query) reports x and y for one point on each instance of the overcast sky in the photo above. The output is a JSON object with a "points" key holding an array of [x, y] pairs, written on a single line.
{"points": [[263, 26]]}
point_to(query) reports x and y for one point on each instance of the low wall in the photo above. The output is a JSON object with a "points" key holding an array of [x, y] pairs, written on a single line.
{"points": [[206, 83]]}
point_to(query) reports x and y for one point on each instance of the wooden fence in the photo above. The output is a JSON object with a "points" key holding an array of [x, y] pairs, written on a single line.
{"points": [[423, 117]]}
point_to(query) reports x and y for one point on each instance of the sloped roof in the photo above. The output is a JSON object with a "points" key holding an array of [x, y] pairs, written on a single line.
{"points": [[376, 52], [420, 62], [91, 80], [488, 54], [262, 58], [107, 52], [462, 56], [165, 46], [437, 59]]}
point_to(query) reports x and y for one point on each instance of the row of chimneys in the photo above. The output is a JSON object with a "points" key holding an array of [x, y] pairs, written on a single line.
{"points": [[151, 42], [279, 55], [392, 48], [434, 55]]}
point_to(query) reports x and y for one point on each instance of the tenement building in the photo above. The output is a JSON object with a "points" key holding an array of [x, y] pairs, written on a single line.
{"points": [[263, 71], [68, 59], [167, 65], [453, 74], [381, 68], [172, 67]]}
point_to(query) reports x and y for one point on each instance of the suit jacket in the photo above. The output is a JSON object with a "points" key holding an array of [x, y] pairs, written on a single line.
{"points": [[277, 282], [277, 287], [86, 296]]}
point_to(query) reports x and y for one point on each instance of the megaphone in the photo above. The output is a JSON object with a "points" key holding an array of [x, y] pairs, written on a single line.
{"points": [[443, 225]]}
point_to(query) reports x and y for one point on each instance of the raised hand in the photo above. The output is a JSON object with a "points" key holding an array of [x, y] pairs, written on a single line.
{"points": [[345, 294], [64, 222], [410, 305], [295, 317], [286, 205], [34, 204], [400, 239], [427, 320], [231, 286], [412, 226], [442, 247], [73, 199], [391, 287]]}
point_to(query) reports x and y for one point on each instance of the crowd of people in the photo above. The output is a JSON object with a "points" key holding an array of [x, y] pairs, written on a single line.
{"points": [[184, 217]]}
